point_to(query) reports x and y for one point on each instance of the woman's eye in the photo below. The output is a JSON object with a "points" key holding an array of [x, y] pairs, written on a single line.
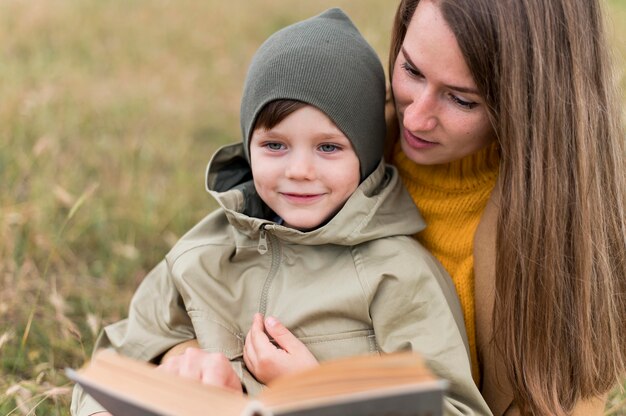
{"points": [[410, 70], [274, 146], [329, 148], [467, 105]]}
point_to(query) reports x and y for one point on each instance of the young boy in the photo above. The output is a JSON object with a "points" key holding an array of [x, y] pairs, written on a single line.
{"points": [[313, 229]]}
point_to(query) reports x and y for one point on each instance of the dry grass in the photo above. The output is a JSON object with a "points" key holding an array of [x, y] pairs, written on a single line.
{"points": [[110, 111]]}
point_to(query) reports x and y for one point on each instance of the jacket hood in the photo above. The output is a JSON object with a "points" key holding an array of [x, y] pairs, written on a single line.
{"points": [[380, 207]]}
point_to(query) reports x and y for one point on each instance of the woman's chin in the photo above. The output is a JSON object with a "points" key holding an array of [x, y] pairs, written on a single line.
{"points": [[422, 155]]}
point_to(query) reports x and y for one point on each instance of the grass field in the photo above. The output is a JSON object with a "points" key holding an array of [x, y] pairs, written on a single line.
{"points": [[109, 113]]}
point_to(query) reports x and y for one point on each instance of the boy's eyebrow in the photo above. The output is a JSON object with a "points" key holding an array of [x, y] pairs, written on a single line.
{"points": [[271, 133], [466, 90]]}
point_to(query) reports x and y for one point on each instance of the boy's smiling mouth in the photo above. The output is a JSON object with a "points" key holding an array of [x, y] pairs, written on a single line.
{"points": [[301, 198]]}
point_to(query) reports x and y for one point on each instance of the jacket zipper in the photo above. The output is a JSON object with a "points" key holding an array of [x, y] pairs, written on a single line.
{"points": [[267, 242], [262, 247]]}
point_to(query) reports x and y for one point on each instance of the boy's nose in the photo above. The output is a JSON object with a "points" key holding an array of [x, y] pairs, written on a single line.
{"points": [[301, 166]]}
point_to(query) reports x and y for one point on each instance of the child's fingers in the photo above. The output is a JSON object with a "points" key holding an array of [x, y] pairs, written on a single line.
{"points": [[217, 371], [257, 322], [283, 337], [180, 349], [170, 366], [249, 353], [185, 365], [258, 337], [210, 368], [256, 341]]}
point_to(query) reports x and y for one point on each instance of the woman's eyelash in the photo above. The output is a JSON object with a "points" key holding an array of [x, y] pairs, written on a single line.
{"points": [[408, 68], [468, 105], [462, 103]]}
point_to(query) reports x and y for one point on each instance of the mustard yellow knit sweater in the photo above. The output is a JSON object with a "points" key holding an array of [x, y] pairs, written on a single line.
{"points": [[452, 198]]}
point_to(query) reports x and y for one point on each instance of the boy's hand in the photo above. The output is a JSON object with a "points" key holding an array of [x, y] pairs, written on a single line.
{"points": [[210, 368], [266, 361], [179, 349]]}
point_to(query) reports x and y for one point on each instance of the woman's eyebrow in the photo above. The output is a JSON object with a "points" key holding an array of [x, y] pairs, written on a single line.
{"points": [[467, 90]]}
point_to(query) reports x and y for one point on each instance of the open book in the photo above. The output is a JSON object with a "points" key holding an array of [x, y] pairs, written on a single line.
{"points": [[374, 385]]}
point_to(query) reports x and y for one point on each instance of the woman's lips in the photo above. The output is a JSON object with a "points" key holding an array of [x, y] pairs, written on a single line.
{"points": [[416, 142]]}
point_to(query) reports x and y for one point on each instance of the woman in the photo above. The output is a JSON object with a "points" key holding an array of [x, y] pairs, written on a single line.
{"points": [[511, 145], [508, 117]]}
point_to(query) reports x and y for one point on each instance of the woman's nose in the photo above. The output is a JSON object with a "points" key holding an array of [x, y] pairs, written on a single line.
{"points": [[421, 113]]}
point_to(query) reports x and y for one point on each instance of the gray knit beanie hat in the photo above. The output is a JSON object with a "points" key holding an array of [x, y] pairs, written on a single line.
{"points": [[325, 62]]}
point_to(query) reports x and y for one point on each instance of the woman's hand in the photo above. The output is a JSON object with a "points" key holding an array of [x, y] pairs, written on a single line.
{"points": [[209, 368], [265, 360]]}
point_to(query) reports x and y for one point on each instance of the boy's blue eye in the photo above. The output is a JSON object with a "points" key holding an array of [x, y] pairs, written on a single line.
{"points": [[328, 148], [274, 146]]}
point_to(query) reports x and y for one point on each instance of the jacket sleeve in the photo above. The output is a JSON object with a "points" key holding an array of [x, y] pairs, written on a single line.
{"points": [[156, 322], [414, 307]]}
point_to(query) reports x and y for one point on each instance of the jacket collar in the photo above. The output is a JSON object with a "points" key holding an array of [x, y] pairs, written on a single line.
{"points": [[380, 207]]}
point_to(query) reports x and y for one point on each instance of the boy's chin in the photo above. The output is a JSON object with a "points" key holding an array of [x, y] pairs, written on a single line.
{"points": [[305, 225], [302, 227]]}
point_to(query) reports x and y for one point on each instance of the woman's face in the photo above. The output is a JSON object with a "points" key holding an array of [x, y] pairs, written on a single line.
{"points": [[442, 116]]}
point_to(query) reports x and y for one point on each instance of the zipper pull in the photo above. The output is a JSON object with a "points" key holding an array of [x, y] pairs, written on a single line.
{"points": [[262, 248]]}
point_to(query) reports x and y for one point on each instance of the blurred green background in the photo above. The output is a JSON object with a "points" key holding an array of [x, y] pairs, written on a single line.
{"points": [[109, 112]]}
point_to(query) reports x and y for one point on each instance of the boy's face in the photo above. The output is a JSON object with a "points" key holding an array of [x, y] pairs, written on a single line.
{"points": [[304, 168]]}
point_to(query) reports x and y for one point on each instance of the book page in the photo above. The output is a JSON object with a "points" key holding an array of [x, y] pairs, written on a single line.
{"points": [[128, 387], [353, 379]]}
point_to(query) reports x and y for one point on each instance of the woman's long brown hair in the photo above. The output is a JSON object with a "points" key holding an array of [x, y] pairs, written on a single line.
{"points": [[543, 67]]}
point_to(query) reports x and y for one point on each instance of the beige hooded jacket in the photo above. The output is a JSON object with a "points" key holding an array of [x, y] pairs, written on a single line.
{"points": [[358, 284]]}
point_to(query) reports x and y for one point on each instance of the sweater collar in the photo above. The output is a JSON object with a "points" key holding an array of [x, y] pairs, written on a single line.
{"points": [[466, 174]]}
